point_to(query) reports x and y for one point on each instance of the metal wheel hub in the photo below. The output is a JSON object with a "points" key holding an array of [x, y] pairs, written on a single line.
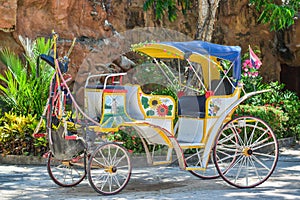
{"points": [[247, 151], [111, 169]]}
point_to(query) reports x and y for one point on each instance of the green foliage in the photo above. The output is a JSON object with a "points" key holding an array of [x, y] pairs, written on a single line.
{"points": [[130, 140], [286, 101], [23, 92], [275, 117], [279, 16], [16, 135], [160, 7]]}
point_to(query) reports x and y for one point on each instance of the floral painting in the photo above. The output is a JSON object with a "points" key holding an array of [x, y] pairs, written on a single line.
{"points": [[155, 105]]}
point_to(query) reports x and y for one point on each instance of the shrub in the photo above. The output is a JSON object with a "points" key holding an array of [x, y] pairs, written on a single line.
{"points": [[275, 117], [286, 101], [16, 135], [130, 140]]}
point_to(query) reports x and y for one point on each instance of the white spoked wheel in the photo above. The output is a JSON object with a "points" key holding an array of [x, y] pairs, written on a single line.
{"points": [[66, 173], [109, 168], [246, 152], [193, 159]]}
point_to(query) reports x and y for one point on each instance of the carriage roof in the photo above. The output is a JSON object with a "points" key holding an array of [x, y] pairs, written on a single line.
{"points": [[195, 51]]}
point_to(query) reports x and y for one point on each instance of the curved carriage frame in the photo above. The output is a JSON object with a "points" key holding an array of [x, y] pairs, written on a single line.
{"points": [[243, 151]]}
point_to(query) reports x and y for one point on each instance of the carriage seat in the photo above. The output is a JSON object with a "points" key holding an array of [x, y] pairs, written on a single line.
{"points": [[192, 106]]}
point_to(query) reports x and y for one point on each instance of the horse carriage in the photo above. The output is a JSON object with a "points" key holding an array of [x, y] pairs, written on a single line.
{"points": [[196, 127]]}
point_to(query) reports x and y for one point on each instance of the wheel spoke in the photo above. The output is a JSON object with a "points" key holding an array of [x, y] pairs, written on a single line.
{"points": [[242, 160], [255, 169], [64, 173], [260, 162], [264, 154]]}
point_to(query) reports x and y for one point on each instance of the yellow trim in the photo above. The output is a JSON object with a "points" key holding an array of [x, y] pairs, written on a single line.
{"points": [[93, 90], [158, 130], [164, 136], [237, 92], [195, 168], [199, 145]]}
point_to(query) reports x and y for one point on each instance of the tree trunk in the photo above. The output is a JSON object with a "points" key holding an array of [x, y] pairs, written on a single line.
{"points": [[206, 19]]}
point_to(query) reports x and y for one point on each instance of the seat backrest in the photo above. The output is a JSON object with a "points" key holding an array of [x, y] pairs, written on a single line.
{"points": [[223, 88], [192, 106], [132, 102]]}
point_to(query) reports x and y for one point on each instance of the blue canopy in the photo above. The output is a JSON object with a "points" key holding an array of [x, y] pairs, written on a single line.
{"points": [[231, 53]]}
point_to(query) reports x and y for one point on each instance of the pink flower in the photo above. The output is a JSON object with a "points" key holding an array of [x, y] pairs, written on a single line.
{"points": [[246, 62], [245, 74]]}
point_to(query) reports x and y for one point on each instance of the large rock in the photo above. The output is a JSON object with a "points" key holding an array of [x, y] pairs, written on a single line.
{"points": [[8, 10], [85, 19]]}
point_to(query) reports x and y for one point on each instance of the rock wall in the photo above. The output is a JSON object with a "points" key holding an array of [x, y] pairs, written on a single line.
{"points": [[85, 19]]}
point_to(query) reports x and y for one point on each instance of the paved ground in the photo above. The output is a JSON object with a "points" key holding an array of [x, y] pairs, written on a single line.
{"points": [[33, 182]]}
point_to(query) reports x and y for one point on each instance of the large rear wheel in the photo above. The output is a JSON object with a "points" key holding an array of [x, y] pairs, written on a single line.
{"points": [[246, 152]]}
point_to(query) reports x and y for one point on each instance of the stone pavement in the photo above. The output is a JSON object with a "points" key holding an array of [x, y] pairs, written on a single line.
{"points": [[33, 182]]}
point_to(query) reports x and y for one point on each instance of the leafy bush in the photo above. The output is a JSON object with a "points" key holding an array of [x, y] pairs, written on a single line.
{"points": [[16, 135], [23, 96], [286, 101], [275, 117]]}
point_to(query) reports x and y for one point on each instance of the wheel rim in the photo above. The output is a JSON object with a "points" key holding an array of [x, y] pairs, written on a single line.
{"points": [[109, 169], [194, 159], [246, 152], [66, 173]]}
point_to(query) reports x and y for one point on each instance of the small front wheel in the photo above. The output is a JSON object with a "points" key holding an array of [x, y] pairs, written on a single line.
{"points": [[246, 152], [109, 168], [66, 173]]}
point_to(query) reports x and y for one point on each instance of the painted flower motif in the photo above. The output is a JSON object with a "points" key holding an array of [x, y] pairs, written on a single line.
{"points": [[154, 102], [162, 110]]}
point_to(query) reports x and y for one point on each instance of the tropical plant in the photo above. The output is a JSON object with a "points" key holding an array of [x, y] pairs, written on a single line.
{"points": [[206, 11], [279, 14], [16, 135], [22, 91]]}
